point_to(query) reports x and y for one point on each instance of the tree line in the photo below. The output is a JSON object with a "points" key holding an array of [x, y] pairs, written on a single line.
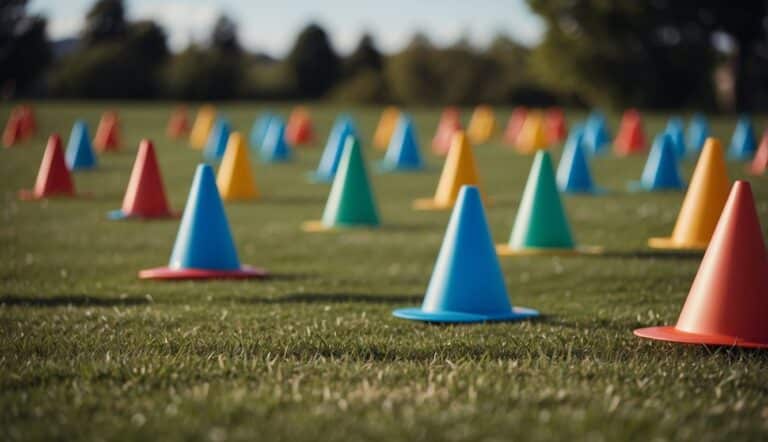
{"points": [[704, 54]]}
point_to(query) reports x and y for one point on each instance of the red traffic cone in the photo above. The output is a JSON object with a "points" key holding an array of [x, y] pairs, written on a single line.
{"points": [[728, 301], [631, 136], [178, 124], [760, 162], [108, 133], [555, 126], [13, 132], [28, 121], [299, 129], [450, 123], [145, 196], [514, 124], [53, 178]]}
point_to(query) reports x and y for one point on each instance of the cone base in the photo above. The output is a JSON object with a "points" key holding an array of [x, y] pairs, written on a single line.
{"points": [[384, 167], [317, 177], [167, 273], [639, 186], [315, 226], [594, 191], [447, 317], [430, 204], [31, 195], [506, 250], [757, 171], [740, 156], [119, 215], [672, 334], [671, 244]]}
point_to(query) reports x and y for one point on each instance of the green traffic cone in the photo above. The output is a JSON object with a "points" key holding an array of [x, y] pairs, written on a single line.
{"points": [[351, 202], [541, 225]]}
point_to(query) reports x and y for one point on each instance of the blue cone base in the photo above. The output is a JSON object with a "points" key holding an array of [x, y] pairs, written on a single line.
{"points": [[316, 177], [417, 314], [167, 273], [593, 191], [740, 156], [385, 167], [638, 186]]}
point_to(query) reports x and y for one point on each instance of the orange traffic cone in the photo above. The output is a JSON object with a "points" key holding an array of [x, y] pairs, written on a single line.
{"points": [[702, 204], [28, 121], [450, 122], [13, 132], [555, 126], [386, 127], [631, 136], [299, 130], [53, 178], [178, 124], [108, 133], [728, 301], [514, 124], [145, 195], [459, 170], [760, 162]]}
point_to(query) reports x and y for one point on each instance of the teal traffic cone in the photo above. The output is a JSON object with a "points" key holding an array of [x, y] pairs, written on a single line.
{"points": [[661, 171], [403, 154], [467, 283], [351, 202], [275, 149], [541, 225], [573, 174], [204, 248], [259, 130], [676, 133], [697, 134], [217, 141], [329, 160], [743, 142], [79, 154]]}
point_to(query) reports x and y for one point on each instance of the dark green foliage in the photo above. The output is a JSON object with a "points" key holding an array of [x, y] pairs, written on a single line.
{"points": [[649, 54], [224, 36], [199, 73], [365, 57], [315, 65], [24, 48], [105, 22]]}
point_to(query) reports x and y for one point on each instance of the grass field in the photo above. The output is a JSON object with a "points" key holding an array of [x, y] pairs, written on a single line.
{"points": [[89, 352]]}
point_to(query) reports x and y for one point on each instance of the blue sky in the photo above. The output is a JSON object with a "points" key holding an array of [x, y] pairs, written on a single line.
{"points": [[272, 26]]}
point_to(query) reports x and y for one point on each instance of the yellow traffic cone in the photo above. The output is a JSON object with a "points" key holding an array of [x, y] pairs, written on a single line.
{"points": [[482, 125], [532, 136], [202, 127], [235, 178], [459, 170], [386, 127], [703, 203]]}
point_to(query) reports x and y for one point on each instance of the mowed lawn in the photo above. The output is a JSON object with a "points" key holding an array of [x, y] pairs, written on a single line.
{"points": [[90, 352]]}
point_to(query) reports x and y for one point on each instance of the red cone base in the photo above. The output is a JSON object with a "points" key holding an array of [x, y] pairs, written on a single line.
{"points": [[167, 273]]}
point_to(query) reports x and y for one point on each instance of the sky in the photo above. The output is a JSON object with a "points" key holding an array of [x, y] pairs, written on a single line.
{"points": [[272, 26]]}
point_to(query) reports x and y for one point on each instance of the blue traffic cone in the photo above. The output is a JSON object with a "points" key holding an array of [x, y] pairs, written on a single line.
{"points": [[334, 147], [204, 248], [677, 136], [697, 134], [661, 170], [596, 136], [467, 284], [573, 174], [259, 131], [275, 149], [80, 155], [403, 154], [743, 142], [217, 141]]}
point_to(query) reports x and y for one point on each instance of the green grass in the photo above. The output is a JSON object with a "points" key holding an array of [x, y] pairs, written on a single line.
{"points": [[87, 351]]}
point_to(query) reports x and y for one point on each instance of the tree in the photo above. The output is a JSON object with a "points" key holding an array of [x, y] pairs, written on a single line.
{"points": [[314, 63], [224, 36], [365, 57], [24, 48], [105, 22], [655, 54]]}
